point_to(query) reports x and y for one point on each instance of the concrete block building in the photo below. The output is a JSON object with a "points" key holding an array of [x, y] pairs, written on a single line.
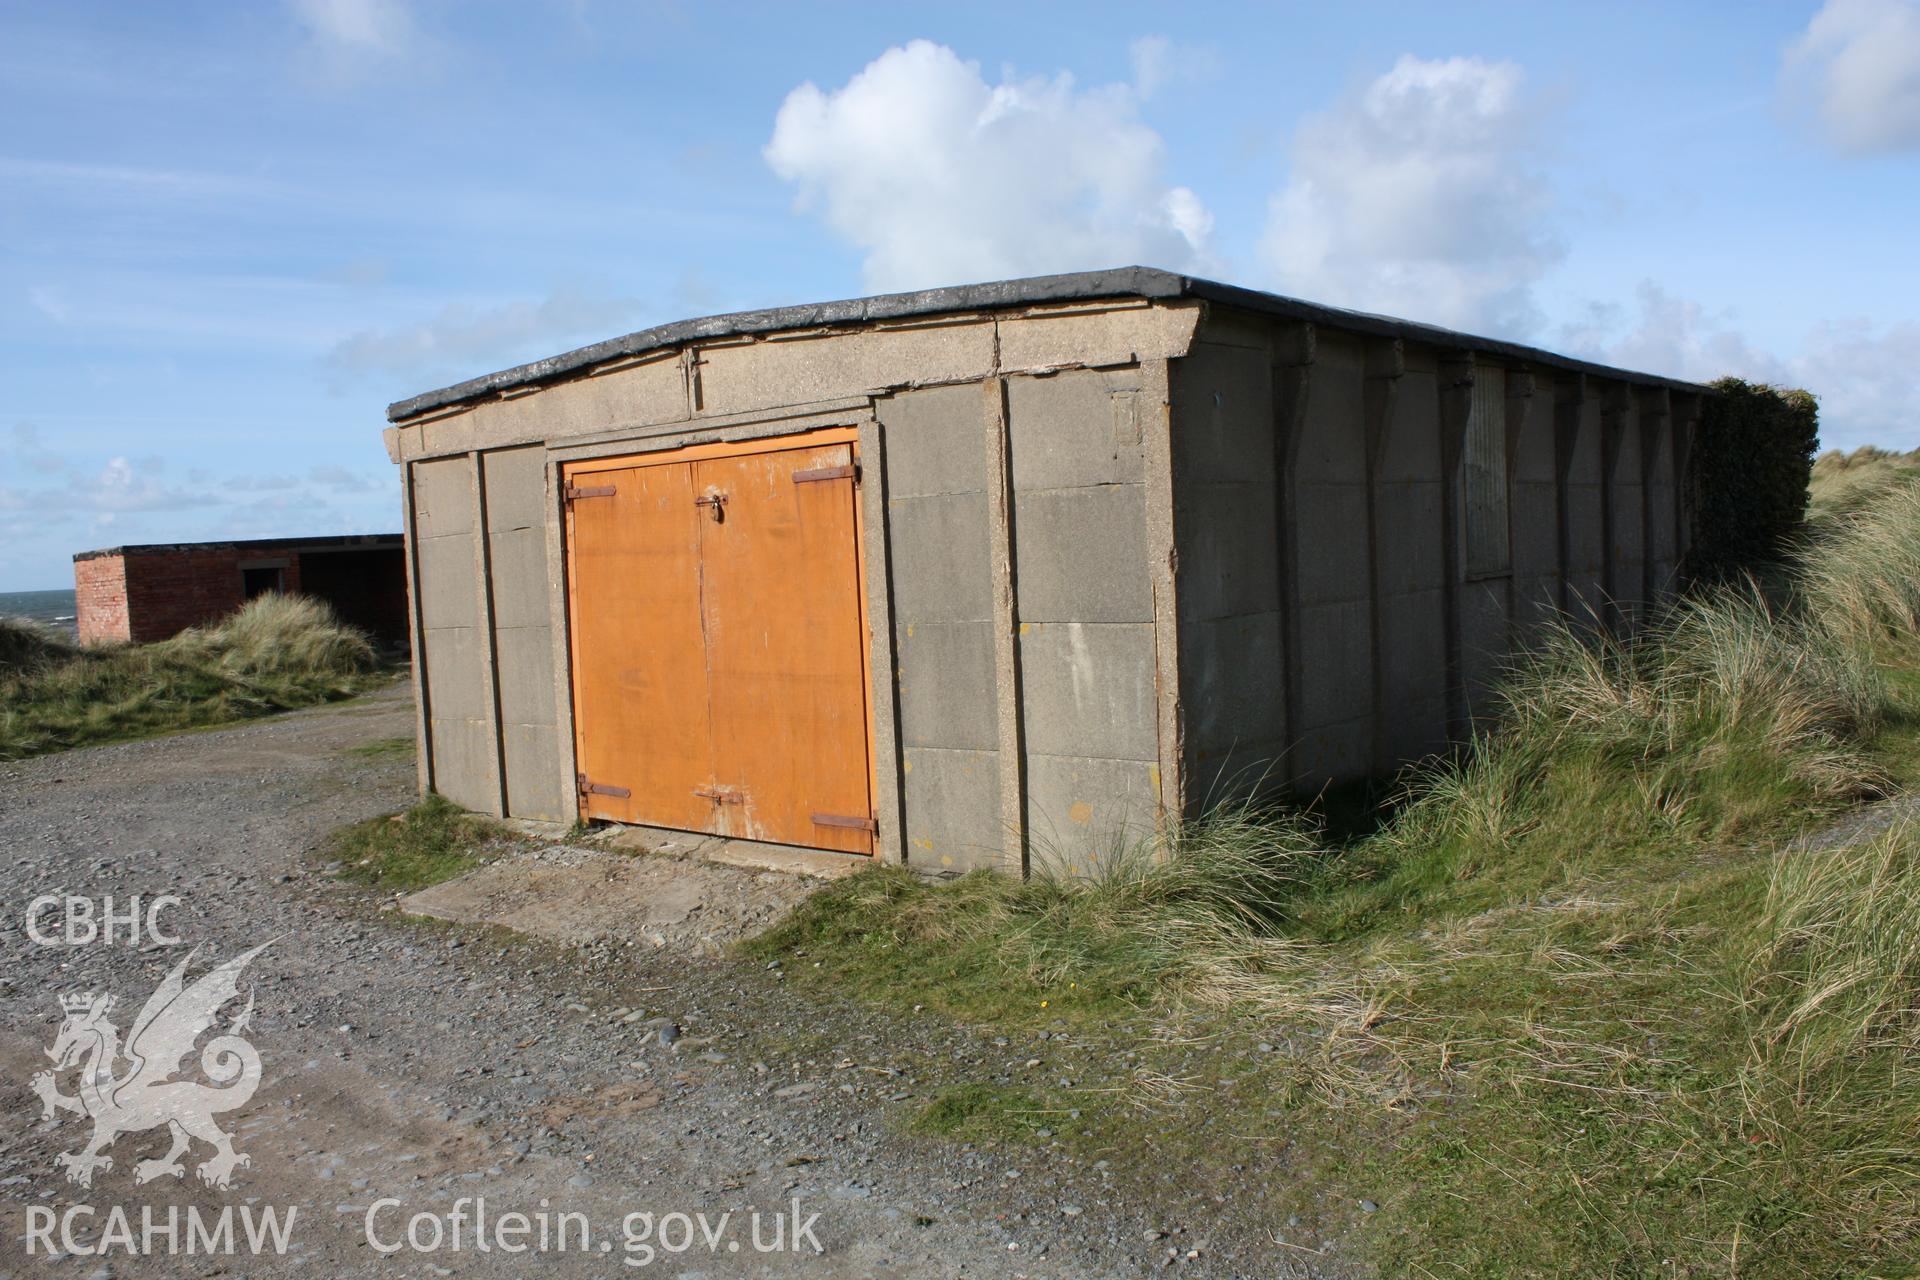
{"points": [[990, 575], [140, 594]]}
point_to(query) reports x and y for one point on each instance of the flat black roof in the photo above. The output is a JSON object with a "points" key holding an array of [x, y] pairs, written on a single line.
{"points": [[1078, 286], [330, 542]]}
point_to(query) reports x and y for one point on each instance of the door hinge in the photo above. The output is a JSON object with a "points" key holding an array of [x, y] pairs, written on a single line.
{"points": [[588, 787], [845, 820], [720, 795], [851, 471], [574, 492]]}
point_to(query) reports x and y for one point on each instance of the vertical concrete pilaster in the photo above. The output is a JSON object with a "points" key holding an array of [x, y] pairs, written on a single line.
{"points": [[566, 758], [1293, 350], [883, 689], [1569, 402], [1616, 419], [489, 640], [1006, 622], [1456, 405], [1156, 399], [1653, 417], [1518, 404], [422, 724], [1685, 411], [1386, 365]]}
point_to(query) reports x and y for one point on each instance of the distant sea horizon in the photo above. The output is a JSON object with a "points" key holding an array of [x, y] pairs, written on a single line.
{"points": [[49, 608]]}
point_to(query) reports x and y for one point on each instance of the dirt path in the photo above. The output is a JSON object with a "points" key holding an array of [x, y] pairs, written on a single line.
{"points": [[421, 1066]]}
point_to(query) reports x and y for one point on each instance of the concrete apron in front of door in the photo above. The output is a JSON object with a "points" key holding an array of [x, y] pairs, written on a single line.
{"points": [[633, 886]]}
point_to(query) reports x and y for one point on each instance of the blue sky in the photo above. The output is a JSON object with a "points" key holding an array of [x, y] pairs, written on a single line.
{"points": [[230, 234]]}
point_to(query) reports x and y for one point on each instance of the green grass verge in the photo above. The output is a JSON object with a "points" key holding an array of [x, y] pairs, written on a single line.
{"points": [[383, 749], [1582, 1002], [433, 841], [276, 654]]}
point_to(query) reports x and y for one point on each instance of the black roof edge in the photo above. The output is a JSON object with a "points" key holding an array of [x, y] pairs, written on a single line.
{"points": [[325, 542], [1077, 286]]}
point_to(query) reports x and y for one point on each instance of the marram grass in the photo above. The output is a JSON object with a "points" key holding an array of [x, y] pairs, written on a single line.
{"points": [[277, 653]]}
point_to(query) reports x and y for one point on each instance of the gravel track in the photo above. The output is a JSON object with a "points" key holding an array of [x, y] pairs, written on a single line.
{"points": [[427, 1062]]}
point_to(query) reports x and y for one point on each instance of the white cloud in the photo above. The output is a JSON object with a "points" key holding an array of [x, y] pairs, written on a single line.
{"points": [[382, 28], [1866, 376], [940, 177], [1417, 197], [468, 340], [1858, 64]]}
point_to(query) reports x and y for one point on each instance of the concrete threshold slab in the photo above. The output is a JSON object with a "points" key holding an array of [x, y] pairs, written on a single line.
{"points": [[748, 855]]}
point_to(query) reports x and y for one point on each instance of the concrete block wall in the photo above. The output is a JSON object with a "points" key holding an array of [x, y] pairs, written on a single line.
{"points": [[1410, 539], [1534, 510], [454, 665], [515, 493], [1232, 647], [1331, 565], [938, 452], [1085, 611]]}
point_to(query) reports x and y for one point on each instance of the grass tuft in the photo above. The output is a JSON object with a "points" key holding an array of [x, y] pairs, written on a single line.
{"points": [[435, 840]]}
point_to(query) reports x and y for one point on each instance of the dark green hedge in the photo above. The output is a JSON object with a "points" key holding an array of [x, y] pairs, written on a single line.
{"points": [[1749, 470]]}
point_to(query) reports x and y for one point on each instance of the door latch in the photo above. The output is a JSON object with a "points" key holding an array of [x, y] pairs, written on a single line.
{"points": [[716, 505]]}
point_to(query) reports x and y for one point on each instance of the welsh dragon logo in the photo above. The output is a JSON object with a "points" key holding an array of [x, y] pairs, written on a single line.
{"points": [[145, 1093]]}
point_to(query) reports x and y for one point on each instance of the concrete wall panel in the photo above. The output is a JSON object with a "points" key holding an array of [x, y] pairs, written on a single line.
{"points": [[1411, 524], [1333, 446], [1087, 689], [455, 689], [449, 582], [1101, 335], [1229, 550], [1331, 526], [463, 755], [524, 657], [1336, 664], [1074, 429], [646, 394], [804, 369], [1223, 415], [946, 685], [1413, 660], [1082, 812], [940, 554], [1484, 607], [519, 566], [516, 488], [1081, 554], [533, 789], [1233, 689], [933, 442], [443, 498], [952, 808], [941, 573]]}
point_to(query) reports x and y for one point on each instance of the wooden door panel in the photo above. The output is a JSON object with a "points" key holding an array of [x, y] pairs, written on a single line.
{"points": [[785, 651], [641, 717]]}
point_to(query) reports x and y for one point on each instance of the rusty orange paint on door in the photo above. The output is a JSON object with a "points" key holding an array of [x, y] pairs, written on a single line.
{"points": [[727, 692]]}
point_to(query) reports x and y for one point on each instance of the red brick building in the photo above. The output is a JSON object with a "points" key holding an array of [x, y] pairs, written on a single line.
{"points": [[146, 593]]}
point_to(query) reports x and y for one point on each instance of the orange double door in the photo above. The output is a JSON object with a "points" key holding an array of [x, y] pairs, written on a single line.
{"points": [[719, 641]]}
